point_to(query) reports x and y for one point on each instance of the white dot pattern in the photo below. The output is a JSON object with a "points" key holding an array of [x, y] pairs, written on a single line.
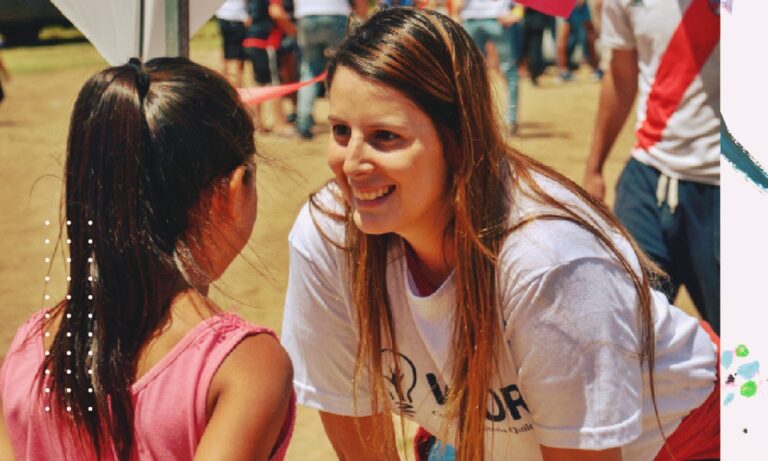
{"points": [[47, 296]]}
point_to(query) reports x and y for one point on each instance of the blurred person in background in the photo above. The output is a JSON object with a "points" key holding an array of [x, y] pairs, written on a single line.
{"points": [[576, 30], [270, 23], [668, 195], [534, 24], [282, 14], [233, 20], [490, 21], [321, 27]]}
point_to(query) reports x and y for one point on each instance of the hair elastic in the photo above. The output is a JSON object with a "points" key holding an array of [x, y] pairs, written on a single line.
{"points": [[142, 77]]}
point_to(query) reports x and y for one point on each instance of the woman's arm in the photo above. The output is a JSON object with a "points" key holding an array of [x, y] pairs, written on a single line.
{"points": [[568, 454], [251, 392], [362, 438]]}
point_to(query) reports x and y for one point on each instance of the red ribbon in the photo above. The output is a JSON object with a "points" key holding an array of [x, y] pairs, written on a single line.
{"points": [[257, 95]]}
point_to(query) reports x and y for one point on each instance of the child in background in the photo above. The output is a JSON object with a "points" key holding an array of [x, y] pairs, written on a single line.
{"points": [[4, 75], [137, 362]]}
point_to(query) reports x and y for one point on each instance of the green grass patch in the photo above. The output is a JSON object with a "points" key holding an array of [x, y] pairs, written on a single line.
{"points": [[69, 54]]}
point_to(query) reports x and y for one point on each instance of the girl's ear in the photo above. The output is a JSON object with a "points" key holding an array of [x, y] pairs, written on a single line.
{"points": [[236, 189], [225, 195]]}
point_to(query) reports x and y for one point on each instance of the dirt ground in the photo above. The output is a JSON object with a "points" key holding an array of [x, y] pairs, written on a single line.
{"points": [[556, 128]]}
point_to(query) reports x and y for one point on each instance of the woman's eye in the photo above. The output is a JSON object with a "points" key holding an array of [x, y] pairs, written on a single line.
{"points": [[340, 131], [385, 136]]}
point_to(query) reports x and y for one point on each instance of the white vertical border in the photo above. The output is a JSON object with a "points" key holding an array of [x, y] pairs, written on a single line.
{"points": [[744, 225]]}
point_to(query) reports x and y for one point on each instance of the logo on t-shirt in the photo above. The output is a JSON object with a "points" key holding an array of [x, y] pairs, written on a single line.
{"points": [[403, 377], [504, 402]]}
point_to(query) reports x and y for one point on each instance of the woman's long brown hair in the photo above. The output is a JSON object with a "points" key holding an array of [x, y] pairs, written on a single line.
{"points": [[433, 61]]}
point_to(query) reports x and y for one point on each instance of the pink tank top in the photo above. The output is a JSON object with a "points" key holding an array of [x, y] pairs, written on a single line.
{"points": [[169, 400]]}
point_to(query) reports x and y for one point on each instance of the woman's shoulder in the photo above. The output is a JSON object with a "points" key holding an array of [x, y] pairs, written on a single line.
{"points": [[320, 225], [544, 235]]}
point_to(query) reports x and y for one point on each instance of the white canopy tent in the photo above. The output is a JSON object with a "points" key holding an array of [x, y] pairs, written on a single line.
{"points": [[121, 29]]}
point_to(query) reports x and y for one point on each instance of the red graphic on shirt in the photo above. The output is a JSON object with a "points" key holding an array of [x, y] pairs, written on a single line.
{"points": [[688, 50]]}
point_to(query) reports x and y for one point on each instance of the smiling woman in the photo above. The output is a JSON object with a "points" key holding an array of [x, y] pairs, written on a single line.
{"points": [[388, 160], [445, 277]]}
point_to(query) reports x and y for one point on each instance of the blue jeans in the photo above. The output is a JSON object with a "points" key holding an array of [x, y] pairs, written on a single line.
{"points": [[315, 35], [578, 36], [682, 238], [484, 30]]}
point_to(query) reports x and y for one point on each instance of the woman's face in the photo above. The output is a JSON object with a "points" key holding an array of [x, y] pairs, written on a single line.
{"points": [[387, 157]]}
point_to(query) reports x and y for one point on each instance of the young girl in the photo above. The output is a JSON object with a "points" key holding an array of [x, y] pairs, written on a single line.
{"points": [[136, 362], [446, 277]]}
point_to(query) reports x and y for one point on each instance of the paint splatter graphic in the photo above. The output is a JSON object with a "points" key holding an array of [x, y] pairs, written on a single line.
{"points": [[742, 351], [742, 160], [742, 374]]}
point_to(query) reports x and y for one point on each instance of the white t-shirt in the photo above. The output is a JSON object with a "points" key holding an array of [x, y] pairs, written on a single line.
{"points": [[232, 10], [678, 111], [484, 9], [570, 375], [321, 8]]}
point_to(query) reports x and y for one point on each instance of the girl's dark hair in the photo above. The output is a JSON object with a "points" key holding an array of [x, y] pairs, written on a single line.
{"points": [[145, 144], [433, 61]]}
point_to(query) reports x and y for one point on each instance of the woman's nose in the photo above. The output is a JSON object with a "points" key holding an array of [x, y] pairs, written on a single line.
{"points": [[357, 159]]}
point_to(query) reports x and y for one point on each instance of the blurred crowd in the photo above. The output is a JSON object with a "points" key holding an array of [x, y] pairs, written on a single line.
{"points": [[288, 41], [668, 194]]}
